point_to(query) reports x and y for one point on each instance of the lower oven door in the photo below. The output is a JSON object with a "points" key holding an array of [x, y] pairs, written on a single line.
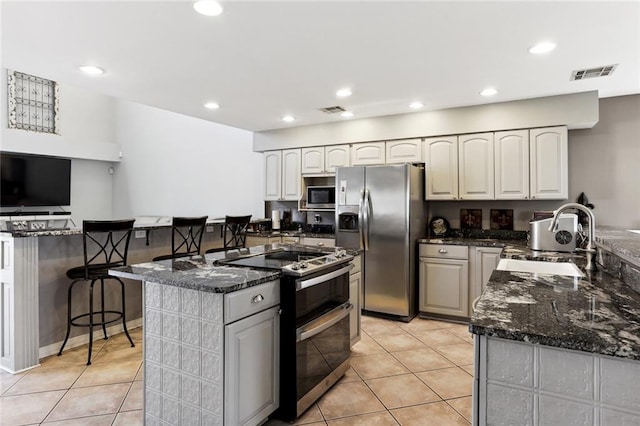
{"points": [[322, 354]]}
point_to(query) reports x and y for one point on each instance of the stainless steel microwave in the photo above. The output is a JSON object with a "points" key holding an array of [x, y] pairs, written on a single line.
{"points": [[321, 197]]}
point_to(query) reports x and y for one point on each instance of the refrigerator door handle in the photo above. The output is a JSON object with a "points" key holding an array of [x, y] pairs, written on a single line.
{"points": [[367, 211], [361, 220]]}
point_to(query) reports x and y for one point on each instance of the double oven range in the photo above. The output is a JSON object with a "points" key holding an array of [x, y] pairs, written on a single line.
{"points": [[314, 327]]}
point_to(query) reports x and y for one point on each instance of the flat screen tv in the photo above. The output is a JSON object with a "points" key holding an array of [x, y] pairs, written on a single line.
{"points": [[34, 180]]}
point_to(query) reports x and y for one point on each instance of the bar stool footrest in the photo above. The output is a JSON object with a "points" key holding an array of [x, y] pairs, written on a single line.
{"points": [[98, 323]]}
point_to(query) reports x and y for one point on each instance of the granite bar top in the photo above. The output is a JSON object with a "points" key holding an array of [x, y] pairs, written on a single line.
{"points": [[267, 234], [621, 242], [207, 273], [197, 273]]}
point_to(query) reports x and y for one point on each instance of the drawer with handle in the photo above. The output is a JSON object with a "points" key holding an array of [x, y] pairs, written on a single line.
{"points": [[444, 251], [242, 303]]}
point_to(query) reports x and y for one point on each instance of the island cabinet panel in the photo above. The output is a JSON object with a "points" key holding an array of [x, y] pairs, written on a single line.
{"points": [[210, 358], [441, 168], [533, 384], [476, 169]]}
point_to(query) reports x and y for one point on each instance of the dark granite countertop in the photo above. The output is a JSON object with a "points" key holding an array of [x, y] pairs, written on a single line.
{"points": [[621, 242], [267, 234], [204, 273]]}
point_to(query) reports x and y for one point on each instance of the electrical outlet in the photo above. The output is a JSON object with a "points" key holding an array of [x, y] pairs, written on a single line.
{"points": [[140, 234], [209, 228]]}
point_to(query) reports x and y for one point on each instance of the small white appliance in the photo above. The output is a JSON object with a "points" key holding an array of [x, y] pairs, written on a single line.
{"points": [[275, 220]]}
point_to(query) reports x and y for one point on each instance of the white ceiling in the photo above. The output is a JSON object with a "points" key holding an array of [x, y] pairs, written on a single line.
{"points": [[261, 60]]}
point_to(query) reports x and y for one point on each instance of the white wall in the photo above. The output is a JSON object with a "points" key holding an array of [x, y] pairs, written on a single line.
{"points": [[176, 165], [604, 162], [577, 111]]}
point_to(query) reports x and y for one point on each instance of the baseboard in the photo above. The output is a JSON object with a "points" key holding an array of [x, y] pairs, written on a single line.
{"points": [[76, 341]]}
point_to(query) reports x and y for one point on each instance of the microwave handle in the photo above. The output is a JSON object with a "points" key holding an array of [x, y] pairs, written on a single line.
{"points": [[326, 321], [302, 284]]}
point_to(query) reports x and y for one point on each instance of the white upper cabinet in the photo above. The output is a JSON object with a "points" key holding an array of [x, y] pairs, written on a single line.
{"points": [[475, 160], [363, 154], [512, 165], [404, 151], [441, 164], [272, 175], [313, 160], [282, 175], [549, 163], [336, 156]]}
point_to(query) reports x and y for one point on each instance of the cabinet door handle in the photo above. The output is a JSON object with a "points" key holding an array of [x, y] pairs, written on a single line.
{"points": [[257, 298], [320, 244], [442, 251]]}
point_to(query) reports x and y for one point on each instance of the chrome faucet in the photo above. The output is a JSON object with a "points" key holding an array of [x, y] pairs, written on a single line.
{"points": [[590, 249]]}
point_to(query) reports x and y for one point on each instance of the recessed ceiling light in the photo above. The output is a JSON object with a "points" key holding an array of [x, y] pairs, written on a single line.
{"points": [[288, 118], [208, 7], [347, 114], [489, 91], [211, 105], [343, 93], [91, 70], [416, 105], [543, 47]]}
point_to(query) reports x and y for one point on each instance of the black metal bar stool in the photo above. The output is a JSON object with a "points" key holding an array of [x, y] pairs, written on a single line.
{"points": [[235, 233], [186, 237], [105, 244]]}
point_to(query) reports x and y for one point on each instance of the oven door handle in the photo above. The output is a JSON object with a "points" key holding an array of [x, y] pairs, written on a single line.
{"points": [[326, 321], [302, 284]]}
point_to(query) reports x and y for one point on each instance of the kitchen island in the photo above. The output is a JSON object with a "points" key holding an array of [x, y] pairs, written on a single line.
{"points": [[554, 349], [212, 338]]}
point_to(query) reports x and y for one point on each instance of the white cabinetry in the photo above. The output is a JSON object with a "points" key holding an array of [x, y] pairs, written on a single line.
{"points": [[549, 163], [476, 172], [444, 280], [324, 159], [404, 151], [319, 242], [441, 159], [19, 331], [313, 160], [363, 154], [355, 297], [484, 260], [282, 175], [252, 359], [336, 156], [512, 165]]}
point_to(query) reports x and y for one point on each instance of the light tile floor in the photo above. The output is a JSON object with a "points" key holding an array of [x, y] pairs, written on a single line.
{"points": [[417, 373], [65, 391]]}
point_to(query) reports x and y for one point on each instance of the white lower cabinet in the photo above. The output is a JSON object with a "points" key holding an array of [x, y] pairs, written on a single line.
{"points": [[444, 280], [483, 260], [355, 296], [252, 359]]}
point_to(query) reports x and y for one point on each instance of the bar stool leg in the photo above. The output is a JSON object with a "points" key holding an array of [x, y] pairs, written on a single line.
{"points": [[68, 318], [104, 325], [90, 321], [124, 319]]}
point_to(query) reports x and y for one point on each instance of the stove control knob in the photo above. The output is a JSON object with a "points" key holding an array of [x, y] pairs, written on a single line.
{"points": [[304, 265], [295, 266], [341, 253]]}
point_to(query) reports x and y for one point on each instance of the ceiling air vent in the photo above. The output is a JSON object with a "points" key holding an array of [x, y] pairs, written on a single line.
{"points": [[332, 109], [593, 72]]}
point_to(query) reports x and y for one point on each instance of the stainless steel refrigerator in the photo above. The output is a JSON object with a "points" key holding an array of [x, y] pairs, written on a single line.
{"points": [[381, 210]]}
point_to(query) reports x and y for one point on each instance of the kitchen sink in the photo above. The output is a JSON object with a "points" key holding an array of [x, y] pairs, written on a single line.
{"points": [[540, 267]]}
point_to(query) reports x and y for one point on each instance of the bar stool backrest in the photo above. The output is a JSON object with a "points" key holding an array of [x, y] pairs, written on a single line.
{"points": [[105, 244], [235, 231], [186, 236]]}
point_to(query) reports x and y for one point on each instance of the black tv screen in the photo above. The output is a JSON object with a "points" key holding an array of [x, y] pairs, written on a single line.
{"points": [[34, 180]]}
